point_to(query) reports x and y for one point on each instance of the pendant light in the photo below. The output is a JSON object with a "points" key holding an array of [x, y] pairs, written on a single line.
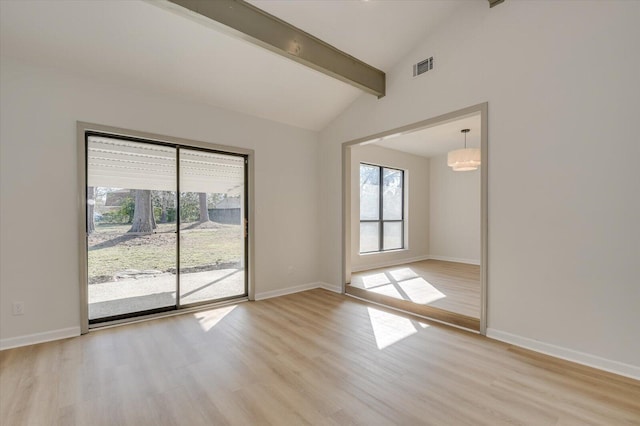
{"points": [[463, 160]]}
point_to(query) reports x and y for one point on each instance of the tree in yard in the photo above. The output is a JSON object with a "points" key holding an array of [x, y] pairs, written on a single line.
{"points": [[143, 220], [154, 225], [91, 201], [204, 211], [161, 200], [163, 208], [189, 207], [125, 212]]}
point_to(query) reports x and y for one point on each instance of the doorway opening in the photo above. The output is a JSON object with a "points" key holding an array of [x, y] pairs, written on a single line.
{"points": [[437, 267], [166, 226]]}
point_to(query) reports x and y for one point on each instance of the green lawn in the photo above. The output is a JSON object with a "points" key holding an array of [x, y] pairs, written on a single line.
{"points": [[112, 250]]}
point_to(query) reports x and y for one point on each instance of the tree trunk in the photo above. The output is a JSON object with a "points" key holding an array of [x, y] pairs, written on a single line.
{"points": [[163, 207], [142, 212], [91, 202], [163, 197], [154, 225], [204, 211]]}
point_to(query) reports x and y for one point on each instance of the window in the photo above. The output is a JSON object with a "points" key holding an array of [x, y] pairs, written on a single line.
{"points": [[381, 208]]}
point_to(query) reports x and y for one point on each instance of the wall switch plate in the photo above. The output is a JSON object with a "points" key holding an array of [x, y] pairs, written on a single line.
{"points": [[18, 308]]}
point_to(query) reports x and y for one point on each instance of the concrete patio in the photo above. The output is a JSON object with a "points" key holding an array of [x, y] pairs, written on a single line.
{"points": [[140, 294]]}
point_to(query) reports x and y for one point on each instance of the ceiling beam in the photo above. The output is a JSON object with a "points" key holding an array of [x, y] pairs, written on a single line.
{"points": [[255, 25], [495, 2]]}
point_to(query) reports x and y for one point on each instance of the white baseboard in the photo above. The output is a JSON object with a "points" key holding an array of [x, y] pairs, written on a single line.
{"points": [[47, 336], [396, 262], [330, 287], [32, 339], [455, 259], [388, 263], [296, 289], [616, 367]]}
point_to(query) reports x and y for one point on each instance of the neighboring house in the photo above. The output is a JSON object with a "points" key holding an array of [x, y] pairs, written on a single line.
{"points": [[116, 198], [226, 211], [113, 202]]}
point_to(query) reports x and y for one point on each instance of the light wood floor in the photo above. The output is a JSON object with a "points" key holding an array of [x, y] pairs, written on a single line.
{"points": [[419, 287], [310, 358]]}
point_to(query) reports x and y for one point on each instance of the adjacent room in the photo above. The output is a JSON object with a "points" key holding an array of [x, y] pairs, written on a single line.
{"points": [[415, 216], [284, 212]]}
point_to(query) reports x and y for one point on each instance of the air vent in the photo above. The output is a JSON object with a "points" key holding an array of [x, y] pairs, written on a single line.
{"points": [[423, 66]]}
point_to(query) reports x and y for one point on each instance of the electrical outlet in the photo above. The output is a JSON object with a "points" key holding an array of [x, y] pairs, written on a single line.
{"points": [[18, 308]]}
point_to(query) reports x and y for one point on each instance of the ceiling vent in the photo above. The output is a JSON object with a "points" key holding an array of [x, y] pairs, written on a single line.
{"points": [[422, 66]]}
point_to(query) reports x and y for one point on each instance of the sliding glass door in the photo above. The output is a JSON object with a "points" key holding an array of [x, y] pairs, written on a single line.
{"points": [[212, 215], [131, 255], [165, 227]]}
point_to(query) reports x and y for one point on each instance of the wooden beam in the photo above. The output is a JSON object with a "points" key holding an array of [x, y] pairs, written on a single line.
{"points": [[255, 25]]}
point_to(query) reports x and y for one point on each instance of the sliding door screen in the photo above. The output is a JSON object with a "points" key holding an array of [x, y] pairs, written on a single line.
{"points": [[165, 227], [381, 208]]}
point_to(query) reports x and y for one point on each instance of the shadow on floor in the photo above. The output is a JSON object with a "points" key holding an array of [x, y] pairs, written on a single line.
{"points": [[128, 305]]}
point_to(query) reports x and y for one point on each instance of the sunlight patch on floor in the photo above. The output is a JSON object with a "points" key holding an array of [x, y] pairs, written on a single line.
{"points": [[387, 290], [375, 280], [209, 319], [389, 328], [403, 274], [418, 290]]}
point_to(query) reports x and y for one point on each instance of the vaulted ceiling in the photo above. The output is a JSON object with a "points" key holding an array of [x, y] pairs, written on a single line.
{"points": [[141, 45], [378, 32]]}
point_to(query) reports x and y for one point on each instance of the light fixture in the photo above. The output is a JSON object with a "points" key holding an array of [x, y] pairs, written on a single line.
{"points": [[463, 160]]}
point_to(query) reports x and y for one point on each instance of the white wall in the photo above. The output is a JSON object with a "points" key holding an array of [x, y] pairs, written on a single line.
{"points": [[561, 81], [416, 206], [454, 213], [39, 215]]}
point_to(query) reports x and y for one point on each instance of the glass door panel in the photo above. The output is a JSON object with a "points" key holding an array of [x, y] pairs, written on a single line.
{"points": [[211, 213], [131, 235]]}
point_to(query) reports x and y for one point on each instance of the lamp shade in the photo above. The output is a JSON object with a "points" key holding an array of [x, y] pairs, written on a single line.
{"points": [[462, 160]]}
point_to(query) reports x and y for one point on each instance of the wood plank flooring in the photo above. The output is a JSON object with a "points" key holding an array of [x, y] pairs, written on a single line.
{"points": [[309, 358], [446, 291], [416, 308]]}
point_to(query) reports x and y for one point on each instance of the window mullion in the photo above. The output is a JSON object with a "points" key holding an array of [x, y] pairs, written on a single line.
{"points": [[380, 212]]}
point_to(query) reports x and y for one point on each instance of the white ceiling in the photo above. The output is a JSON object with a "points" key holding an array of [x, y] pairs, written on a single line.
{"points": [[437, 140], [138, 44]]}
